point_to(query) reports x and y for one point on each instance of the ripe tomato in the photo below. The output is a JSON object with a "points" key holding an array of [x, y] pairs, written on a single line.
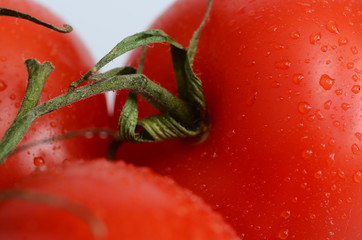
{"points": [[123, 203], [20, 40], [282, 81]]}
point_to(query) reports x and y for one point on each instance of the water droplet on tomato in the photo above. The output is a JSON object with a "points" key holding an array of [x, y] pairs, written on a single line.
{"points": [[326, 82], [355, 149], [307, 153], [318, 174], [39, 161], [356, 89], [319, 115], [350, 65], [354, 50], [338, 92], [357, 177], [342, 41], [283, 234], [331, 141], [295, 35], [324, 48], [275, 84], [332, 27], [12, 96], [327, 104], [283, 64], [252, 98], [3, 85], [304, 107], [358, 136], [314, 38], [355, 78], [53, 124], [341, 173], [298, 78], [285, 214], [346, 106]]}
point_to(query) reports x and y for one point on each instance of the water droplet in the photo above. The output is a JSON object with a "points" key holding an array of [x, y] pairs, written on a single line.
{"points": [[3, 85], [355, 78], [350, 65], [324, 48], [39, 161], [283, 234], [275, 84], [298, 78], [346, 106], [319, 115], [295, 35], [12, 96], [283, 64], [341, 173], [327, 104], [307, 153], [285, 214], [314, 38], [355, 149], [357, 177], [358, 136], [318, 174], [3, 59], [252, 98], [354, 50], [356, 89], [53, 124], [342, 41], [339, 92], [304, 107], [326, 82], [312, 216], [332, 27]]}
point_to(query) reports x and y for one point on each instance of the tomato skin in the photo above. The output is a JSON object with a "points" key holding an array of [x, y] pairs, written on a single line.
{"points": [[282, 81], [132, 204], [21, 40]]}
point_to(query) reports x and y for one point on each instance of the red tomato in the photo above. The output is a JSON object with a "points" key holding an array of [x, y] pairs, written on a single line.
{"points": [[282, 80], [20, 40], [123, 203]]}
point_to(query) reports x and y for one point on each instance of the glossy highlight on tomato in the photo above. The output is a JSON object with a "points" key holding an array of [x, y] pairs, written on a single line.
{"points": [[20, 40], [118, 201], [282, 82]]}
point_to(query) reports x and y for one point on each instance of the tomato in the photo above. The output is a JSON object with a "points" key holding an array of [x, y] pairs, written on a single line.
{"points": [[282, 82], [123, 202], [21, 39]]}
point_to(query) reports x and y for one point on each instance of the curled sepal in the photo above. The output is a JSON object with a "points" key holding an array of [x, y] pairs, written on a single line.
{"points": [[126, 45], [12, 13]]}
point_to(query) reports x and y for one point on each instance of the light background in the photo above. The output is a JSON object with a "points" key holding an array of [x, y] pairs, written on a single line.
{"points": [[102, 24]]}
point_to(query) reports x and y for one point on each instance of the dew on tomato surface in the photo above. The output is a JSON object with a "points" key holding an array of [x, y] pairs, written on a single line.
{"points": [[298, 78], [346, 106], [283, 64], [342, 41], [285, 214], [354, 50], [3, 85], [304, 107], [314, 38], [326, 82], [339, 92], [332, 27], [283, 234], [324, 48], [327, 104], [355, 78], [357, 177], [350, 65], [358, 135], [356, 89], [38, 161], [295, 35], [318, 174], [355, 149]]}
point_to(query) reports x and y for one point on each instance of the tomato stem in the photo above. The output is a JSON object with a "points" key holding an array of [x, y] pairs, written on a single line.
{"points": [[13, 13]]}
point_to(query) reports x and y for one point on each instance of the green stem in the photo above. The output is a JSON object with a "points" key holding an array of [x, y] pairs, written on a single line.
{"points": [[12, 13], [137, 83]]}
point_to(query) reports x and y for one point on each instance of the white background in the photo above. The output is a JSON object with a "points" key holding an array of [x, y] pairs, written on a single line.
{"points": [[102, 24]]}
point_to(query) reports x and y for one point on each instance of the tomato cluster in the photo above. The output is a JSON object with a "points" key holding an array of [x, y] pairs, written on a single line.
{"points": [[280, 159]]}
